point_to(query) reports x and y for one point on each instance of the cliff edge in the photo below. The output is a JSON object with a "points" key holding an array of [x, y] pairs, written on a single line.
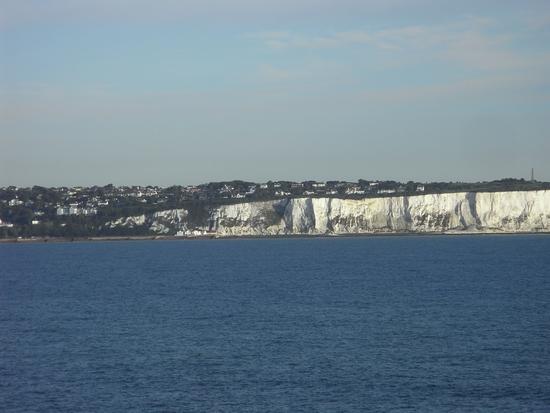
{"points": [[476, 212]]}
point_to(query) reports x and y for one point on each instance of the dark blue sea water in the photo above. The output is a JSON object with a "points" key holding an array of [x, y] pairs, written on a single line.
{"points": [[342, 324]]}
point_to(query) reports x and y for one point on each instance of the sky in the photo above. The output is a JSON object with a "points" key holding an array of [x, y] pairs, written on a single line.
{"points": [[164, 92]]}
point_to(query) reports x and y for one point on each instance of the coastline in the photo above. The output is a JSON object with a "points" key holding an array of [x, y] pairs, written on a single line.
{"points": [[41, 240]]}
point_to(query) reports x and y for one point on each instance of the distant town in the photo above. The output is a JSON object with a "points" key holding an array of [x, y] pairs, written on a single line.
{"points": [[82, 211]]}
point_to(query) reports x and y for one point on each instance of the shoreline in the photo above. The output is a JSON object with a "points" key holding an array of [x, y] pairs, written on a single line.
{"points": [[55, 240]]}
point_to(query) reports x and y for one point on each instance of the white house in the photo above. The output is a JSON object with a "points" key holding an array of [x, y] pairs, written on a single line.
{"points": [[5, 224], [73, 209], [355, 191], [62, 211]]}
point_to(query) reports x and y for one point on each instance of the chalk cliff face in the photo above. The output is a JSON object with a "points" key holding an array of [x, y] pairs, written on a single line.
{"points": [[525, 211], [162, 222]]}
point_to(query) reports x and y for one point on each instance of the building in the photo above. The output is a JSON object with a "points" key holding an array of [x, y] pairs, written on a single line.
{"points": [[62, 211], [354, 190], [74, 209], [5, 224]]}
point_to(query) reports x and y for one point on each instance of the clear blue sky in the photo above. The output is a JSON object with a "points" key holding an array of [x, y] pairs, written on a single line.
{"points": [[190, 91]]}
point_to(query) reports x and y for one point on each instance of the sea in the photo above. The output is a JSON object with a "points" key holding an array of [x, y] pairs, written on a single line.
{"points": [[359, 324]]}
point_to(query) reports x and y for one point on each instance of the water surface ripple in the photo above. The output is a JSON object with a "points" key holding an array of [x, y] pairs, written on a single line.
{"points": [[272, 325]]}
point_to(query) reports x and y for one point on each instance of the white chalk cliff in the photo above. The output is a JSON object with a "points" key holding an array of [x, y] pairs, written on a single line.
{"points": [[496, 212]]}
